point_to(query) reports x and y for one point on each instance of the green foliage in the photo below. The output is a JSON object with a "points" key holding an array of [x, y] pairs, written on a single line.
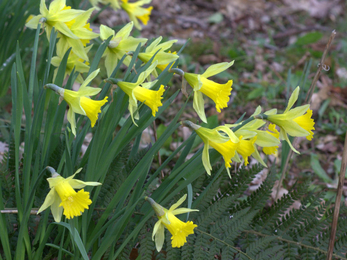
{"points": [[230, 228], [232, 222]]}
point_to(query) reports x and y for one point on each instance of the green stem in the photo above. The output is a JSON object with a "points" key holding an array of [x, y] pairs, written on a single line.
{"points": [[177, 71], [112, 80]]}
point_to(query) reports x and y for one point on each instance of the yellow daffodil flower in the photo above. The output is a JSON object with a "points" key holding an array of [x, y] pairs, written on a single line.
{"points": [[245, 148], [219, 93], [178, 229], [143, 93], [269, 140], [56, 16], [79, 101], [161, 57], [120, 44], [274, 132], [73, 62], [81, 29], [294, 122], [63, 197], [226, 144], [137, 12]]}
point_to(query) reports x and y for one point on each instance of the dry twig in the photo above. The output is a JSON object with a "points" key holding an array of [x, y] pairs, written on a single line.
{"points": [[338, 200]]}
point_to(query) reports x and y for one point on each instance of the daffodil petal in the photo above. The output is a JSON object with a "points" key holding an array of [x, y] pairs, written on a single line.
{"points": [[56, 6], [182, 211], [56, 209], [154, 44], [48, 201], [217, 68], [111, 63], [155, 228], [178, 203], [159, 238], [43, 8], [265, 139], [78, 184], [72, 120], [78, 48], [125, 31], [257, 156], [198, 105], [206, 159], [89, 78], [293, 98], [229, 132], [106, 32]]}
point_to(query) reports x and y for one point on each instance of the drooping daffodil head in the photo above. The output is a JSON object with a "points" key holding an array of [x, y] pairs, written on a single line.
{"points": [[167, 219], [63, 199], [295, 122], [162, 57], [219, 93], [73, 62], [221, 139], [80, 102], [137, 12], [121, 43], [139, 91]]}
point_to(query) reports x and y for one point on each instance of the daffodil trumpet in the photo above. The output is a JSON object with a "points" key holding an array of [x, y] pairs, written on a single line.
{"points": [[179, 230], [63, 199]]}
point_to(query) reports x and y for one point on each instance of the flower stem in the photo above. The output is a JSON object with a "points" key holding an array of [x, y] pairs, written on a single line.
{"points": [[177, 71]]}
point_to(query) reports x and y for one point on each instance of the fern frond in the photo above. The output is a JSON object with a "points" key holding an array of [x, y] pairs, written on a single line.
{"points": [[259, 197], [171, 253], [269, 218], [114, 177], [146, 243]]}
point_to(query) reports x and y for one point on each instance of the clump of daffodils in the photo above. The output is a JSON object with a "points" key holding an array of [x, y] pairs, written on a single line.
{"points": [[262, 132], [63, 199], [167, 219], [242, 139], [73, 29]]}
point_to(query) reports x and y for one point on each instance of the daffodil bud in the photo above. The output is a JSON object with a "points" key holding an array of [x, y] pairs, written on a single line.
{"points": [[159, 210]]}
